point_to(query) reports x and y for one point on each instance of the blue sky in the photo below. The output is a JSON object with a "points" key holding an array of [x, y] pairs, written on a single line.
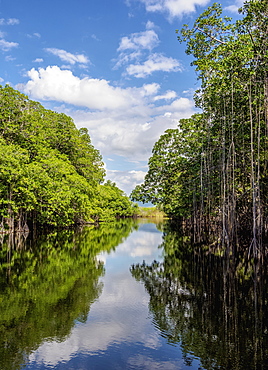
{"points": [[114, 66]]}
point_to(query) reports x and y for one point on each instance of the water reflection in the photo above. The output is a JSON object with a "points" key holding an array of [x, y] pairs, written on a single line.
{"points": [[117, 332], [71, 301], [212, 304], [47, 285]]}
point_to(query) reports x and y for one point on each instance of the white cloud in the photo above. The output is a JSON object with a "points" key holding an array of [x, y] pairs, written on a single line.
{"points": [[53, 83], [123, 122], [132, 47], [68, 57], [9, 21], [173, 8], [94, 37], [125, 58], [131, 133], [9, 58], [38, 60], [12, 21], [142, 40], [137, 48], [151, 89], [234, 7], [6, 45], [155, 63], [167, 96], [36, 34], [126, 180]]}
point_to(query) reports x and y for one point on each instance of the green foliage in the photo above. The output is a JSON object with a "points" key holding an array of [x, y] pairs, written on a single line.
{"points": [[172, 177], [214, 165], [50, 173], [113, 203], [150, 212]]}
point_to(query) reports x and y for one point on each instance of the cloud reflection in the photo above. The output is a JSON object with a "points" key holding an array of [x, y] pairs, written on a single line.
{"points": [[119, 317]]}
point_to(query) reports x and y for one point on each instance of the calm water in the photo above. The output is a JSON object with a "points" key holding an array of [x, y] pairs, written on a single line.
{"points": [[129, 296]]}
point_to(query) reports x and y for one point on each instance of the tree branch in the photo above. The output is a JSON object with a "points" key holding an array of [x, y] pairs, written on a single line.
{"points": [[212, 37]]}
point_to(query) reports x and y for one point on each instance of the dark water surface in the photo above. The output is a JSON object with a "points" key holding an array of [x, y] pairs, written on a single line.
{"points": [[129, 296]]}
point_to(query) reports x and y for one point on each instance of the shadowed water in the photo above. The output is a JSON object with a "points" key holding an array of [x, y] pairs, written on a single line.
{"points": [[129, 296]]}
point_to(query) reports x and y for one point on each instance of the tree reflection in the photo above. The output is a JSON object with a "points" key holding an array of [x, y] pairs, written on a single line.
{"points": [[49, 283], [212, 303]]}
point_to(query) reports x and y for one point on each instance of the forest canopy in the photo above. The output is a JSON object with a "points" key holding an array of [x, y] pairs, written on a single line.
{"points": [[212, 169], [50, 173]]}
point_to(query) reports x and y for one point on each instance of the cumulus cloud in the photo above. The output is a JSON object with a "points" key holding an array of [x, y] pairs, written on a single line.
{"points": [[173, 8], [53, 83], [155, 63], [68, 57], [124, 122], [126, 180], [132, 133]]}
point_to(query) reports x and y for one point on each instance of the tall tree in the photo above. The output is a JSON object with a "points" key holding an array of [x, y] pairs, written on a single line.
{"points": [[229, 147]]}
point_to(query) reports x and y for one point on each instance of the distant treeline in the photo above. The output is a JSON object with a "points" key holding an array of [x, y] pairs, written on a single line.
{"points": [[211, 171], [50, 173]]}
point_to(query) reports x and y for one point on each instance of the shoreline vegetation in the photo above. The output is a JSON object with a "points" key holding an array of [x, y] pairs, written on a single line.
{"points": [[51, 176], [50, 173], [211, 171], [208, 175], [150, 212]]}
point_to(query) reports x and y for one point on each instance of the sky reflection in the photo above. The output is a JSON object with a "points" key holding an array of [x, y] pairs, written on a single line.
{"points": [[119, 318]]}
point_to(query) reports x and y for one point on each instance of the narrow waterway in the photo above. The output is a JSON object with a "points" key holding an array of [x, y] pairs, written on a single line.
{"points": [[128, 296]]}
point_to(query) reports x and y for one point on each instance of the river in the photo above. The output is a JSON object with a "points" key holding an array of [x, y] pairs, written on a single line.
{"points": [[134, 294]]}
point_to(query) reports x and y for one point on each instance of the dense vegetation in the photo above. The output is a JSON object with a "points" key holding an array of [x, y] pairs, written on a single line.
{"points": [[50, 173], [212, 169]]}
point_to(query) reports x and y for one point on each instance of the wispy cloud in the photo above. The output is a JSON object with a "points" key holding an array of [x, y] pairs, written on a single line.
{"points": [[9, 58], [35, 34], [9, 21], [68, 57], [6, 45], [94, 37], [141, 40], [38, 60]]}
